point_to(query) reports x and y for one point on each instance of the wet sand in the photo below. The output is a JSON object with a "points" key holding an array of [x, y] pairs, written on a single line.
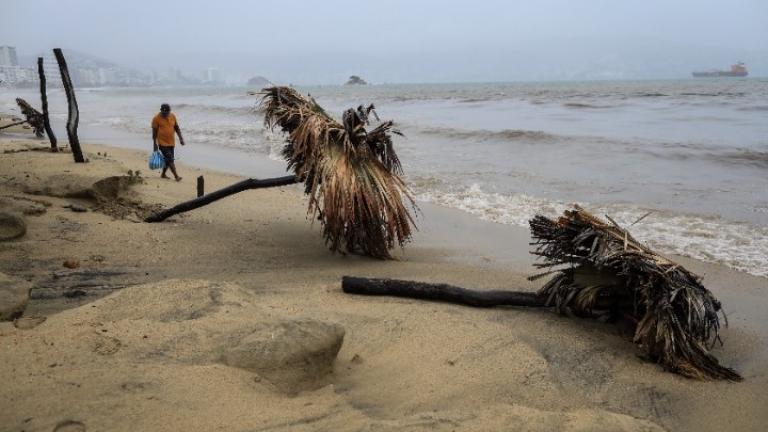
{"points": [[127, 361]]}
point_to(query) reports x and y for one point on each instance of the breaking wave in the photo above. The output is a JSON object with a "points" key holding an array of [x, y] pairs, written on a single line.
{"points": [[237, 110], [753, 158], [740, 246], [584, 105], [488, 135]]}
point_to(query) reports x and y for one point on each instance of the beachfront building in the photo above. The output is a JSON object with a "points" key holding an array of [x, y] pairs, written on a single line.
{"points": [[8, 56], [11, 74], [212, 75], [14, 75]]}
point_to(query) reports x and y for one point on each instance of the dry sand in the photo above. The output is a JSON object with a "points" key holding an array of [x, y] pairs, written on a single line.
{"points": [[151, 357]]}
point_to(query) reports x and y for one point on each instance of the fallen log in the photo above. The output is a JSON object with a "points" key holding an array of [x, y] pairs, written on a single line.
{"points": [[73, 117], [601, 271], [12, 124], [44, 101], [219, 194], [440, 292]]}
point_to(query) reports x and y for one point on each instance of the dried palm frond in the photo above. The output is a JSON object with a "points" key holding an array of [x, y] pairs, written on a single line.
{"points": [[33, 116], [675, 316], [352, 175]]}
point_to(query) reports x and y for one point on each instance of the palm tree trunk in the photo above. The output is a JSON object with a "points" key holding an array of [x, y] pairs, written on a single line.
{"points": [[221, 193], [44, 99], [73, 117], [13, 124], [440, 292]]}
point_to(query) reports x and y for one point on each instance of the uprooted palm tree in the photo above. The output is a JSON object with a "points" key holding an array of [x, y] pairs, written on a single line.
{"points": [[352, 175], [602, 271], [33, 117]]}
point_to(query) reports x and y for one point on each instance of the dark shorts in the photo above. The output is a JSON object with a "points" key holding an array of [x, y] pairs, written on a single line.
{"points": [[167, 153]]}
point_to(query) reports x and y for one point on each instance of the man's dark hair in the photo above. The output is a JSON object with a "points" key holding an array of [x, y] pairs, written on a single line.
{"points": [[165, 107]]}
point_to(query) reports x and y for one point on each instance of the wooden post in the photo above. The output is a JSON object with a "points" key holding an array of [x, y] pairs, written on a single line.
{"points": [[74, 115], [200, 186], [44, 98]]}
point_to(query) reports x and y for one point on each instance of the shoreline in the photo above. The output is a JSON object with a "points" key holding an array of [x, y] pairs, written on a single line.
{"points": [[403, 365]]}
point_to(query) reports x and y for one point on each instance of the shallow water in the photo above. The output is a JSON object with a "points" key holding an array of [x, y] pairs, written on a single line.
{"points": [[692, 152]]}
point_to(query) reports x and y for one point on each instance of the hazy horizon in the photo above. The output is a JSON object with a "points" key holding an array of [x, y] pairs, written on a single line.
{"points": [[429, 42]]}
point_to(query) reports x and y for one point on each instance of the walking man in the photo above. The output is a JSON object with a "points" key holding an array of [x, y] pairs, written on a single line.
{"points": [[164, 126]]}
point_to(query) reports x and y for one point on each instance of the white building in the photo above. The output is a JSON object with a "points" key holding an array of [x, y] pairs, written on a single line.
{"points": [[14, 75], [212, 75], [8, 56]]}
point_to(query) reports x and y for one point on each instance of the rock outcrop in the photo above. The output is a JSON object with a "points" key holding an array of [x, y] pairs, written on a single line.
{"points": [[12, 226], [14, 294]]}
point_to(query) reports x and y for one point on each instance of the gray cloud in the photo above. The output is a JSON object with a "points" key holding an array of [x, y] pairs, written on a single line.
{"points": [[402, 41]]}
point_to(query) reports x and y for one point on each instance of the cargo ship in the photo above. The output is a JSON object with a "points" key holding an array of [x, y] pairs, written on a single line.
{"points": [[737, 70]]}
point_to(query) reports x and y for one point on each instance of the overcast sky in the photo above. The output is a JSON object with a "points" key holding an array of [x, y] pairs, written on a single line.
{"points": [[401, 41]]}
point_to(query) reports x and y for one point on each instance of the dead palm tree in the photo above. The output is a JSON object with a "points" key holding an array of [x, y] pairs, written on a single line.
{"points": [[676, 318], [352, 175], [601, 271], [33, 116]]}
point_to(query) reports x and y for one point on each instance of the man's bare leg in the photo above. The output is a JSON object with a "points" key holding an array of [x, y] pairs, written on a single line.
{"points": [[165, 169], [172, 166]]}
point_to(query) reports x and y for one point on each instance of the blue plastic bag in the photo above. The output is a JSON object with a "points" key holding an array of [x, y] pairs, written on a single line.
{"points": [[156, 160]]}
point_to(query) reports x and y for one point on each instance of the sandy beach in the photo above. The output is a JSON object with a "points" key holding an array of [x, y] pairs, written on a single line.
{"points": [[161, 342]]}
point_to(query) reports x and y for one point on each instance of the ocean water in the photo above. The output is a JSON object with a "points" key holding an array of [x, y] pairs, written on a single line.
{"points": [[694, 153]]}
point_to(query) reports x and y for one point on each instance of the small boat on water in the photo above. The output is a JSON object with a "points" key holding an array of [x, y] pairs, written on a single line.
{"points": [[737, 70]]}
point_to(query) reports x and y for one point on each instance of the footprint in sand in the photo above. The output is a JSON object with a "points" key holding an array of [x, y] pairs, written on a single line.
{"points": [[69, 426], [107, 345], [27, 323]]}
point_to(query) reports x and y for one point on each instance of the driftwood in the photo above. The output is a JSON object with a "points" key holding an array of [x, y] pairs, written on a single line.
{"points": [[440, 292], [44, 100], [13, 124], [608, 275], [73, 117], [219, 194], [33, 116]]}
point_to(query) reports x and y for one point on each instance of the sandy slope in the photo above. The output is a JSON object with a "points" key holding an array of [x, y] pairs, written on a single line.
{"points": [[404, 365]]}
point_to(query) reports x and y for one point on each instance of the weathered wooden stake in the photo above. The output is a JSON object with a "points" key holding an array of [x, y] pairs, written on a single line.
{"points": [[200, 186], [44, 99], [74, 114]]}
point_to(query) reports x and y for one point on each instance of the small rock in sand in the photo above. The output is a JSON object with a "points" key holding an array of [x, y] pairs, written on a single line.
{"points": [[27, 323], [71, 263], [14, 294], [77, 208], [12, 226], [292, 354], [69, 426]]}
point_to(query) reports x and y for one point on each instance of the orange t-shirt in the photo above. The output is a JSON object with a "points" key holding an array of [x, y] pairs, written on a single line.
{"points": [[166, 129]]}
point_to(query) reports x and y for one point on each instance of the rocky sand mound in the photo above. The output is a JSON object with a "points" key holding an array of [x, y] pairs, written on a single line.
{"points": [[195, 354], [111, 195]]}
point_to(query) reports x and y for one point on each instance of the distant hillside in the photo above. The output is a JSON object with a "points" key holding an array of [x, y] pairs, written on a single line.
{"points": [[356, 80], [74, 59], [259, 81]]}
